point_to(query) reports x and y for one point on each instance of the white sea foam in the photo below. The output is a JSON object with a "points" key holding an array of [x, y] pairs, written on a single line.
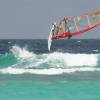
{"points": [[53, 60], [52, 63], [21, 52], [73, 59], [79, 41], [51, 71], [96, 50]]}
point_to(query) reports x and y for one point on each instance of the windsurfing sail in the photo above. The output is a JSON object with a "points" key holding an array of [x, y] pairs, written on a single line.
{"points": [[75, 25]]}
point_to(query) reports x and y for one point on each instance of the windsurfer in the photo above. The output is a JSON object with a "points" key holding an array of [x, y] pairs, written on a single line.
{"points": [[75, 25], [64, 29], [55, 29], [61, 31]]}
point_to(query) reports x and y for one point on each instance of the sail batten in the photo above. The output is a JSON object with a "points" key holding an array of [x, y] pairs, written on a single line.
{"points": [[76, 27], [88, 20]]}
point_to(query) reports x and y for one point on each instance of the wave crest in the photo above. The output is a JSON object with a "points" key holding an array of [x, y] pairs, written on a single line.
{"points": [[21, 52], [51, 71], [53, 60]]}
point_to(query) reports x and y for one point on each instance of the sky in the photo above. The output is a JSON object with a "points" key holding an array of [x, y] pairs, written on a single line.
{"points": [[31, 19]]}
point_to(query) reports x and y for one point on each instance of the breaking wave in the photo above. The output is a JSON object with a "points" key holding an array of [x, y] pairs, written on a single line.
{"points": [[48, 64], [51, 71]]}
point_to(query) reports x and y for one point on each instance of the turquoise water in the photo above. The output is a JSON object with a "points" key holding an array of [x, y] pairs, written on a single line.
{"points": [[81, 90], [68, 72]]}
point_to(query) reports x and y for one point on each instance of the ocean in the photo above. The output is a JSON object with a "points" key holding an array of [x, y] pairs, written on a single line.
{"points": [[70, 71]]}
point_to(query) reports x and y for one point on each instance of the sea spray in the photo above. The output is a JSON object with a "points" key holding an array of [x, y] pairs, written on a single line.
{"points": [[48, 64], [53, 60], [21, 52]]}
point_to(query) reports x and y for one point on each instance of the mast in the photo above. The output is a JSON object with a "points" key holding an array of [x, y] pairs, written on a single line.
{"points": [[99, 17]]}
